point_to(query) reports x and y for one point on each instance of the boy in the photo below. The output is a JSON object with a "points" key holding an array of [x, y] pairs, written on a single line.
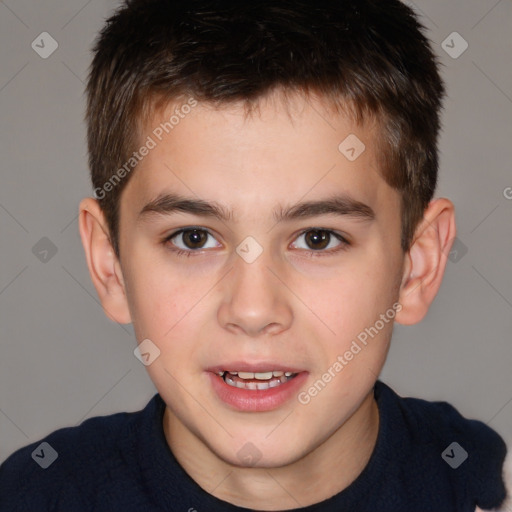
{"points": [[298, 142]]}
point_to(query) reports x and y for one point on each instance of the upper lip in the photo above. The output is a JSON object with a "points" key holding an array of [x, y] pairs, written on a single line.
{"points": [[260, 367]]}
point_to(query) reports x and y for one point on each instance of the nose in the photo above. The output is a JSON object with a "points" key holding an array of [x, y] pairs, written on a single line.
{"points": [[254, 300]]}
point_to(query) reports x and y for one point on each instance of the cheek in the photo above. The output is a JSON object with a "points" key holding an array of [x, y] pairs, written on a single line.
{"points": [[352, 300], [153, 296], [165, 302]]}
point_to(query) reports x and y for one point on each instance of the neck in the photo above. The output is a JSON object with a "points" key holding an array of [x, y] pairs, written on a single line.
{"points": [[344, 454]]}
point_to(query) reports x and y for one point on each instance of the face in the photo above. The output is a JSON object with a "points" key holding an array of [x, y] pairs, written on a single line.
{"points": [[230, 274]]}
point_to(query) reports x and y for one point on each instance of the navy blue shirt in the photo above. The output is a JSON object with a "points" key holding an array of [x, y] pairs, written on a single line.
{"points": [[427, 458]]}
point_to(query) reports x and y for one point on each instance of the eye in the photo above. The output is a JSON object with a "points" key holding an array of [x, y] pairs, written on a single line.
{"points": [[317, 240], [189, 240]]}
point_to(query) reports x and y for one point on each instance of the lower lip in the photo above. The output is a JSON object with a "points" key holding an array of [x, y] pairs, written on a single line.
{"points": [[257, 400]]}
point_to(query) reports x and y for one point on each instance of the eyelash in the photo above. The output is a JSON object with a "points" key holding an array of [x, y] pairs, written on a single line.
{"points": [[312, 253]]}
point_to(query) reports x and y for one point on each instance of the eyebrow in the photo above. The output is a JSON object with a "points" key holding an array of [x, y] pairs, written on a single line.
{"points": [[341, 205]]}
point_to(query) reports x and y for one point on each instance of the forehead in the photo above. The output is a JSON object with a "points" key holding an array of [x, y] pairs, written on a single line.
{"points": [[259, 161]]}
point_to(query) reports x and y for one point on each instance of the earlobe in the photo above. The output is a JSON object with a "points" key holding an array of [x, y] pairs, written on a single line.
{"points": [[102, 262], [426, 261]]}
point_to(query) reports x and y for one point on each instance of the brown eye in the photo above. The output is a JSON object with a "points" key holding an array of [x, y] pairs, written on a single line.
{"points": [[321, 242], [191, 240], [194, 238], [317, 239]]}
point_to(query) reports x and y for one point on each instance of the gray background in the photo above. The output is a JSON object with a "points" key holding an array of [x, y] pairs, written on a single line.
{"points": [[62, 360]]}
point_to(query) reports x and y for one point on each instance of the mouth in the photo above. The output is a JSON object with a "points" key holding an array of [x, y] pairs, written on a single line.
{"points": [[256, 380], [256, 387]]}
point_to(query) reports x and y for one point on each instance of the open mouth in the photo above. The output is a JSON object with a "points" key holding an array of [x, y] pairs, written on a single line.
{"points": [[256, 391], [256, 380]]}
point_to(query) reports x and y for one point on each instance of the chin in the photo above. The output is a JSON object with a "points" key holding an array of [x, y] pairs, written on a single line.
{"points": [[261, 454]]}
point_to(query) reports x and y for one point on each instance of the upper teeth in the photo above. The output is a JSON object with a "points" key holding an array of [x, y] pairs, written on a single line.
{"points": [[258, 375]]}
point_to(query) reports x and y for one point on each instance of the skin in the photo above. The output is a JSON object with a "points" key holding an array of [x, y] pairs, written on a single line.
{"points": [[289, 305]]}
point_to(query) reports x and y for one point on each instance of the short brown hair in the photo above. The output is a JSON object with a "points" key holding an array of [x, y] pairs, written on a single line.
{"points": [[371, 55]]}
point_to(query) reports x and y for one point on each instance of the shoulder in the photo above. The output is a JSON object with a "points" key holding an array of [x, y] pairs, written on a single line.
{"points": [[506, 506], [464, 454], [438, 423], [69, 461]]}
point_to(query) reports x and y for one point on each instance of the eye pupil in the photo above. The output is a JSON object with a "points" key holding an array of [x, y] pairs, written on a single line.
{"points": [[196, 236], [315, 236]]}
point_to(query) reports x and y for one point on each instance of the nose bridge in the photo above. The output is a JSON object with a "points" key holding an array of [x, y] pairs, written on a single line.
{"points": [[256, 300], [253, 277]]}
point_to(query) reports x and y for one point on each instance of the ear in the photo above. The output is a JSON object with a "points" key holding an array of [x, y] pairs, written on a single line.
{"points": [[425, 261], [104, 267]]}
